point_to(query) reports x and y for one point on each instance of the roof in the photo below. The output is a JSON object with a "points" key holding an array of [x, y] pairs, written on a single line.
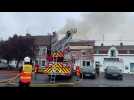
{"points": [[82, 43], [124, 47], [41, 40]]}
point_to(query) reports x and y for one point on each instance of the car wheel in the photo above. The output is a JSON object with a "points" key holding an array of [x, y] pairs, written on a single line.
{"points": [[94, 77], [120, 78]]}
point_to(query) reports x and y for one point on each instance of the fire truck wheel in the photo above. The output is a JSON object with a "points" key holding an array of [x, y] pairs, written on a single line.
{"points": [[49, 77]]}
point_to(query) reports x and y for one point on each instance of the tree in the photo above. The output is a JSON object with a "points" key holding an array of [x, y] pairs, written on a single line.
{"points": [[5, 50], [17, 47]]}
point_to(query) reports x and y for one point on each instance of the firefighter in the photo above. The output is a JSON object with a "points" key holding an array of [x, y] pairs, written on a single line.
{"points": [[26, 73], [78, 73], [36, 70]]}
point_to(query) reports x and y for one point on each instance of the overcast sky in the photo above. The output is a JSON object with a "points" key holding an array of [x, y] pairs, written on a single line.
{"points": [[90, 25], [36, 23]]}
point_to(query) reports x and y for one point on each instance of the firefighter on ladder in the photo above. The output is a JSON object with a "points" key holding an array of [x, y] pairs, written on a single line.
{"points": [[26, 73]]}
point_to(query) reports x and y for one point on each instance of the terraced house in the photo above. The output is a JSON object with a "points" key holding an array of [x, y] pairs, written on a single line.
{"points": [[115, 55]]}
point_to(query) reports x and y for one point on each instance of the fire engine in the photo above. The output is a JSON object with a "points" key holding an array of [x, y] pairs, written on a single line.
{"points": [[63, 68], [56, 59]]}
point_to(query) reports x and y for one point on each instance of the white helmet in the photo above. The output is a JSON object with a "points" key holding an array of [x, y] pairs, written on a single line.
{"points": [[26, 59]]}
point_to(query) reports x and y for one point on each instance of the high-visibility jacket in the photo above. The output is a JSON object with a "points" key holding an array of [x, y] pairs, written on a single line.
{"points": [[25, 77], [36, 70], [26, 74], [78, 71]]}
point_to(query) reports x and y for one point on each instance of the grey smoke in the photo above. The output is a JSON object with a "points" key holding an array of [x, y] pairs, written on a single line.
{"points": [[114, 26]]}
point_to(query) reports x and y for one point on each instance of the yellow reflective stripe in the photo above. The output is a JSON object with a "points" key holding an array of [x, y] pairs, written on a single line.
{"points": [[66, 69], [60, 67], [23, 77]]}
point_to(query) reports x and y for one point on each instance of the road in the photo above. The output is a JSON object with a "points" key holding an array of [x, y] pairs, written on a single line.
{"points": [[128, 81]]}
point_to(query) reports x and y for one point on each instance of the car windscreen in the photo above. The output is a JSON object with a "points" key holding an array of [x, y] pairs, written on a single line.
{"points": [[88, 69], [113, 69]]}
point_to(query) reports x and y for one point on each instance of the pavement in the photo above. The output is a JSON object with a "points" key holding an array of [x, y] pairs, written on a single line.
{"points": [[43, 81]]}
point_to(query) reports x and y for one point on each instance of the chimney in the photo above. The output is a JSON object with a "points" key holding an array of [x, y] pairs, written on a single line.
{"points": [[102, 44], [54, 33], [28, 34], [121, 44]]}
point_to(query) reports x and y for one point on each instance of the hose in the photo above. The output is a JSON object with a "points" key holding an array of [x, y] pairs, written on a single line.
{"points": [[10, 79]]}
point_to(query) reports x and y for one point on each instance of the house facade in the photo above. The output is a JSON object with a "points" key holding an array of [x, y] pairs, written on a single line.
{"points": [[42, 47], [121, 56], [80, 53], [84, 52]]}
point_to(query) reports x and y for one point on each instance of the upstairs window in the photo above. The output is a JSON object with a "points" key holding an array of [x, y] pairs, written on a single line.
{"points": [[103, 51], [131, 51], [122, 51]]}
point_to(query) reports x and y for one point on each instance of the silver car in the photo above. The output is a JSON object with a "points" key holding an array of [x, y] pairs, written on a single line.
{"points": [[113, 72], [6, 66], [88, 72]]}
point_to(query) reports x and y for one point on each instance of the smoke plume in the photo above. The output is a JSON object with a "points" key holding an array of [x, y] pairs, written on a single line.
{"points": [[102, 25]]}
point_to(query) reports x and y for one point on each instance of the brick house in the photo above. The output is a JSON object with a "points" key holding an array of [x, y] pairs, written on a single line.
{"points": [[42, 47]]}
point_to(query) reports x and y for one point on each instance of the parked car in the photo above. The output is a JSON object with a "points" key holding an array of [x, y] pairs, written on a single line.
{"points": [[88, 72], [5, 66], [113, 72]]}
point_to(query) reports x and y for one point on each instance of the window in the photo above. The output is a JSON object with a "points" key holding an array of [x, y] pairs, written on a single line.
{"points": [[131, 51], [97, 51], [36, 61], [88, 63], [103, 51], [84, 63], [111, 59], [122, 51], [43, 63], [126, 67], [83, 53], [44, 50]]}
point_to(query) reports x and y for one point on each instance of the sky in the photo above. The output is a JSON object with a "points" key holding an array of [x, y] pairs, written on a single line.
{"points": [[108, 26], [36, 23]]}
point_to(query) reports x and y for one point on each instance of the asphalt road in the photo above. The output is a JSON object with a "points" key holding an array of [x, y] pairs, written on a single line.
{"points": [[128, 81]]}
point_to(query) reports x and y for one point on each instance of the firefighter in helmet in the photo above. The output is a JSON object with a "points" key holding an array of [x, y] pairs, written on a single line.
{"points": [[26, 73]]}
